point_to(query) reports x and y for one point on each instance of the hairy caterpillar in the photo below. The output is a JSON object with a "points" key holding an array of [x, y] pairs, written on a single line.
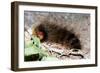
{"points": [[57, 34]]}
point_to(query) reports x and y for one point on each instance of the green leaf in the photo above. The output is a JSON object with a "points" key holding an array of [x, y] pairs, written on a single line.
{"points": [[28, 44], [31, 50], [33, 47], [36, 41]]}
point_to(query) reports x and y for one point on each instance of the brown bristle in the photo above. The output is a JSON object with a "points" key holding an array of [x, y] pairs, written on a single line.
{"points": [[57, 34]]}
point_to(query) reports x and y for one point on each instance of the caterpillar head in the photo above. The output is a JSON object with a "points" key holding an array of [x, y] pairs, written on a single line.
{"points": [[40, 32]]}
